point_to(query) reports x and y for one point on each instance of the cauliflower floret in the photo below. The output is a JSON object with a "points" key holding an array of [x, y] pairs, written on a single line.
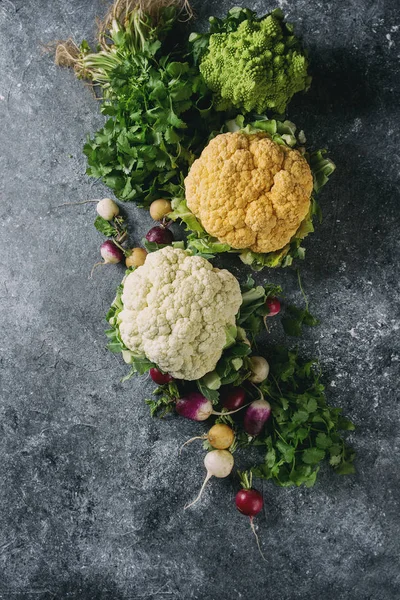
{"points": [[176, 311], [249, 192]]}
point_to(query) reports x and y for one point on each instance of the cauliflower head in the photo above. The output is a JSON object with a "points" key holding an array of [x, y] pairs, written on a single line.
{"points": [[176, 310], [249, 191], [260, 66]]}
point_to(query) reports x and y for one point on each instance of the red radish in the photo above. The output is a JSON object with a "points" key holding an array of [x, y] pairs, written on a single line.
{"points": [[159, 377], [219, 463], [220, 436], [195, 406], [110, 253], [256, 416], [274, 306], [249, 502], [232, 397], [160, 235]]}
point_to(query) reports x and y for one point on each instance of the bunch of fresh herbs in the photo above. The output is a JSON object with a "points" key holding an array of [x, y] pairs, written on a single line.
{"points": [[304, 430], [158, 109]]}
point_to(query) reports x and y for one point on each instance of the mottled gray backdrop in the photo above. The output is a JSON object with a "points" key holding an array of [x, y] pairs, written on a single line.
{"points": [[92, 489]]}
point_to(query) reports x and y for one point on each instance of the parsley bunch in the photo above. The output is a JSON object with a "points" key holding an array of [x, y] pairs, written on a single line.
{"points": [[157, 105], [304, 430]]}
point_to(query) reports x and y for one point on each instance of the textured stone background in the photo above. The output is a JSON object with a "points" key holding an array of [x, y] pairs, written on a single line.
{"points": [[92, 489]]}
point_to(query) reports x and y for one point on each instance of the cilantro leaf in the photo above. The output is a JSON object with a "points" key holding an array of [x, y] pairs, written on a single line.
{"points": [[312, 456], [104, 227], [212, 395]]}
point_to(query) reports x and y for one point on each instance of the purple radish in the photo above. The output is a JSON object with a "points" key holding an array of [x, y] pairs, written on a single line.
{"points": [[160, 235], [257, 414], [110, 253], [196, 407], [233, 397]]}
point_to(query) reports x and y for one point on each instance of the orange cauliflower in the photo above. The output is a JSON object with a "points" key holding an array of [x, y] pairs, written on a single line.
{"points": [[249, 191]]}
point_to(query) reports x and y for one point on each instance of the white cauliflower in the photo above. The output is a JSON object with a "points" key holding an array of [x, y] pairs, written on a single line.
{"points": [[176, 311]]}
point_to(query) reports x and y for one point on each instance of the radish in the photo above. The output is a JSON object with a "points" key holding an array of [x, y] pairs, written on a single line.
{"points": [[259, 368], [194, 406], [273, 305], [219, 463], [159, 377], [160, 235], [249, 502], [110, 253], [159, 209], [257, 414], [136, 258], [233, 397], [220, 436], [197, 407], [107, 209]]}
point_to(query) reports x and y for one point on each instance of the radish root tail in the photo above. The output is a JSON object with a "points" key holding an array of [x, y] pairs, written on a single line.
{"points": [[121, 11], [198, 437], [257, 539], [67, 53], [261, 396], [231, 411], [98, 264], [76, 203], [209, 475], [265, 323]]}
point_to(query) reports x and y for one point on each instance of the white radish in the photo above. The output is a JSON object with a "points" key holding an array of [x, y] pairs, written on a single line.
{"points": [[219, 463], [259, 368], [107, 209]]}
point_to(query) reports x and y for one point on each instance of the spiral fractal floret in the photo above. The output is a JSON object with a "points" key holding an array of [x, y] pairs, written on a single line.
{"points": [[260, 66]]}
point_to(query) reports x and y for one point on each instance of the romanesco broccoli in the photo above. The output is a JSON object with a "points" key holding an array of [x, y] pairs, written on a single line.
{"points": [[258, 66]]}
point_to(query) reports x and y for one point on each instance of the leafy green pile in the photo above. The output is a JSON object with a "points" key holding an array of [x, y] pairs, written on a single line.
{"points": [[157, 104], [250, 63], [304, 430], [200, 242]]}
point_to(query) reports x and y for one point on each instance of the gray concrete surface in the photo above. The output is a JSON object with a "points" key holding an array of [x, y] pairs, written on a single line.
{"points": [[92, 489]]}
